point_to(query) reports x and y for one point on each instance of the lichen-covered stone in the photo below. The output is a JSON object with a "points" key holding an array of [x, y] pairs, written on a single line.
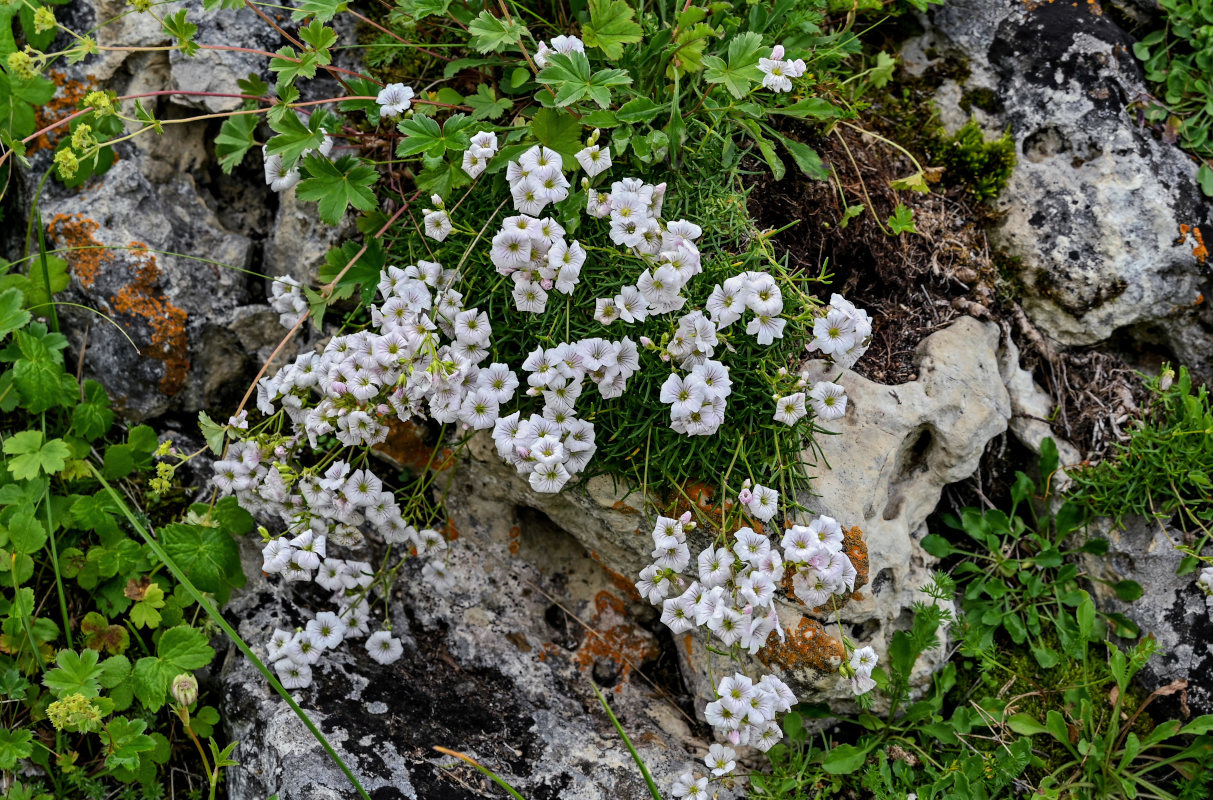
{"points": [[1107, 220], [1172, 609], [500, 668]]}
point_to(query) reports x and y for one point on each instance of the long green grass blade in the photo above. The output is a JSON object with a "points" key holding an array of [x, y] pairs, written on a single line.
{"points": [[623, 734], [214, 614]]}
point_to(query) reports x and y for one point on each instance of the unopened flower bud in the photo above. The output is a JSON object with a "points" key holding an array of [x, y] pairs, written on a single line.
{"points": [[593, 140], [185, 689], [783, 371], [685, 518], [1168, 377]]}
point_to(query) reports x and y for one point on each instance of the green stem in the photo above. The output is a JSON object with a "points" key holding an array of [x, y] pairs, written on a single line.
{"points": [[50, 535], [648, 779]]}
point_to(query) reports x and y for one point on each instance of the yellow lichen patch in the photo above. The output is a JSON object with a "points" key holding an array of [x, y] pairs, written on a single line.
{"points": [[68, 94], [143, 298], [1199, 251], [807, 646], [613, 637]]}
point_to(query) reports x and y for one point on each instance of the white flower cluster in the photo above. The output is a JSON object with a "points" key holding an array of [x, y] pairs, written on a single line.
{"points": [[756, 292], [697, 402], [778, 72], [551, 447], [745, 711], [479, 153], [734, 596], [822, 568], [286, 297], [278, 177], [843, 333], [560, 44], [537, 258]]}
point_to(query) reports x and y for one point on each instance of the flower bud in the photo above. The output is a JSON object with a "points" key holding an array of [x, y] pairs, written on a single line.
{"points": [[1168, 377], [185, 689], [685, 518]]}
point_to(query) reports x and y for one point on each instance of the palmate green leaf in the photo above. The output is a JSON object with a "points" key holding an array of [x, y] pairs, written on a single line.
{"points": [[12, 315], [364, 272], [319, 38], [336, 185], [208, 556], [26, 532], [569, 74], [612, 25], [124, 741], [177, 26], [212, 432], [490, 34], [487, 104], [902, 220], [180, 649], [33, 456], [15, 744], [235, 139], [78, 673], [424, 135], [741, 71], [289, 64]]}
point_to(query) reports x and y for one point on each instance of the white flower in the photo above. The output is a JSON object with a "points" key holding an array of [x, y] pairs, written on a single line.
{"points": [[863, 661], [278, 176], [766, 328], [721, 759], [394, 98], [437, 225], [789, 410], [293, 675], [829, 400], [327, 629], [383, 647], [764, 502], [594, 159], [530, 297], [834, 333]]}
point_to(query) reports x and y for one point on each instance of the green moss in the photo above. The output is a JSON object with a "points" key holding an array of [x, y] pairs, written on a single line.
{"points": [[981, 98], [982, 167]]}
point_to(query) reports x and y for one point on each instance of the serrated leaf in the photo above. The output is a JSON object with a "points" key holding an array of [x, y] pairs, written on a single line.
{"points": [[124, 741], [322, 10], [235, 139], [486, 104], [77, 673], [612, 25], [177, 26], [15, 744], [569, 74], [424, 135], [902, 220], [490, 34], [212, 432], [32, 456], [336, 185], [184, 649]]}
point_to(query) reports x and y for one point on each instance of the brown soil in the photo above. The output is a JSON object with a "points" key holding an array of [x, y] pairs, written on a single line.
{"points": [[913, 285]]}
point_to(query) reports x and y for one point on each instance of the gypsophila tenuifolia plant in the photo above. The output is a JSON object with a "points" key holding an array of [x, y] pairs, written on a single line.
{"points": [[1178, 60], [96, 640]]}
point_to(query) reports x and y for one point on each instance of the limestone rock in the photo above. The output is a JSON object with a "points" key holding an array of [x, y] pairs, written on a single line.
{"points": [[899, 446], [500, 668], [1106, 219], [1172, 609], [172, 308]]}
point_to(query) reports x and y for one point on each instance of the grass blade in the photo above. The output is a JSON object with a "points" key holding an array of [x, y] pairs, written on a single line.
{"points": [[214, 614], [485, 770], [623, 734]]}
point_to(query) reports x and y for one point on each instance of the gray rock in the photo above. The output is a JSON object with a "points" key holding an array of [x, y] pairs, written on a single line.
{"points": [[1172, 609], [499, 668], [1097, 208]]}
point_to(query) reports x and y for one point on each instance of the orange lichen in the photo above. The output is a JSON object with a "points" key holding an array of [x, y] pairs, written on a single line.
{"points": [[612, 637], [87, 255], [856, 550], [405, 446], [808, 646], [621, 581], [142, 298], [68, 94], [1200, 252], [452, 533], [515, 534]]}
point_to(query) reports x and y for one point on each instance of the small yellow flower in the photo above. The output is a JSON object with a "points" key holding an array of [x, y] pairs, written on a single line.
{"points": [[44, 20], [66, 163]]}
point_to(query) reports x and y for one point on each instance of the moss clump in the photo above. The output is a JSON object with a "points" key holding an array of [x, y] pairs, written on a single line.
{"points": [[982, 167]]}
